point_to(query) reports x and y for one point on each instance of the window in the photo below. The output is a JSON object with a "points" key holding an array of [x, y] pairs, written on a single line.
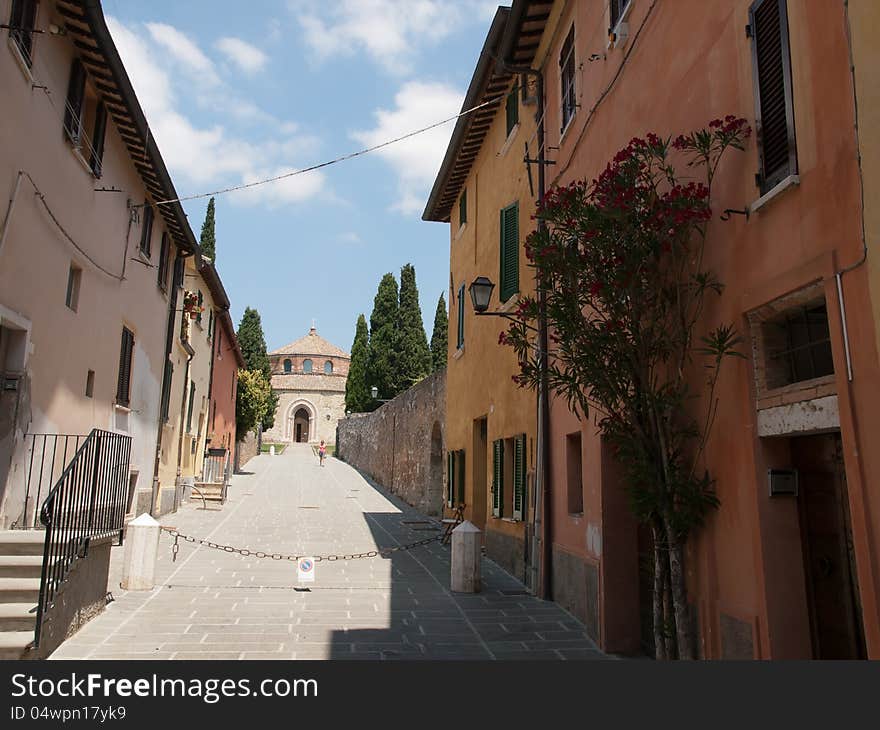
{"points": [[166, 390], [797, 346], [509, 251], [512, 110], [164, 260], [74, 276], [461, 300], [574, 473], [328, 368], [210, 323], [455, 478], [617, 9], [76, 89], [462, 208], [147, 233], [774, 115], [90, 384], [23, 19], [307, 366], [85, 110], [519, 476], [566, 75], [189, 409], [509, 458], [201, 302], [288, 366], [178, 271], [99, 131], [123, 384]]}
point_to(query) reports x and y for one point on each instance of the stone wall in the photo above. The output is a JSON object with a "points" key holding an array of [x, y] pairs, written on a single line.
{"points": [[247, 450], [402, 445]]}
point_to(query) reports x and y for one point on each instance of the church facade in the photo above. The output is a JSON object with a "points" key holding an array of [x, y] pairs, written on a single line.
{"points": [[309, 376]]}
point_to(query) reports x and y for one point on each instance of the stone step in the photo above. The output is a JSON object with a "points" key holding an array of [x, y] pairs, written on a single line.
{"points": [[21, 542], [17, 616], [21, 566], [19, 590], [13, 644]]}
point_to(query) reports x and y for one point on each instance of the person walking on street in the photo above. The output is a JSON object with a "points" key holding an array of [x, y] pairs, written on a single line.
{"points": [[322, 452]]}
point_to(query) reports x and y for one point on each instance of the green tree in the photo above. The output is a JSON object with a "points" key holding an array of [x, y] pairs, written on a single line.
{"points": [[253, 348], [383, 322], [252, 401], [357, 391], [207, 241], [412, 357], [440, 337], [623, 264]]}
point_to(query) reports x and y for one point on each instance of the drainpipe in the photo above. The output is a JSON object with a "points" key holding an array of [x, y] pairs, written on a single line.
{"points": [[544, 525], [10, 208]]}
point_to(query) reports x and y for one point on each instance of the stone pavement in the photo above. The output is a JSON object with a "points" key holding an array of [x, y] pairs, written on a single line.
{"points": [[215, 605]]}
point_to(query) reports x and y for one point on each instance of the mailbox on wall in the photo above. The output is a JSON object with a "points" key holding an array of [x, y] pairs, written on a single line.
{"points": [[783, 482]]}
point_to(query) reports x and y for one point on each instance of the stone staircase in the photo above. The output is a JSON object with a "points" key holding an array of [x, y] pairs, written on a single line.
{"points": [[212, 492], [21, 560]]}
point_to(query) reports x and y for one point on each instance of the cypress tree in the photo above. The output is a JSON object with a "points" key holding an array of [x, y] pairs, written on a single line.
{"points": [[440, 337], [207, 241], [383, 321], [253, 347], [357, 392], [412, 360]]}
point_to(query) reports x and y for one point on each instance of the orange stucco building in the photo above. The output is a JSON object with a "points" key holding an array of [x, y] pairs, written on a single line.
{"points": [[775, 573]]}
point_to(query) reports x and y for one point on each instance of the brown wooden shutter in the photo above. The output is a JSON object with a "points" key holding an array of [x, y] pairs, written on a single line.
{"points": [[98, 134], [123, 385], [768, 29], [76, 90]]}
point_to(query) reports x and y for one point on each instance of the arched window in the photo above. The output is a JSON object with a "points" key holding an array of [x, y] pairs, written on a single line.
{"points": [[328, 368], [288, 366], [307, 366]]}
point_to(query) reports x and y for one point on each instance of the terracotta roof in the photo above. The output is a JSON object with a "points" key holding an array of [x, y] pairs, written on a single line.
{"points": [[301, 381], [311, 344]]}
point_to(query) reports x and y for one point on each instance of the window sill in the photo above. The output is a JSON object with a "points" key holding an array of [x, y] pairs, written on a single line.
{"points": [[458, 353], [461, 229], [121, 408], [509, 141], [22, 64], [774, 192], [510, 304], [143, 257], [77, 153]]}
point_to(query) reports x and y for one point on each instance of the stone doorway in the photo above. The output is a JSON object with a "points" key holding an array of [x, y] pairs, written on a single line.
{"points": [[301, 425]]}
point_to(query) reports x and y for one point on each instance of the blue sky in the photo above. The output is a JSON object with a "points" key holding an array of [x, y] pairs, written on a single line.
{"points": [[236, 92]]}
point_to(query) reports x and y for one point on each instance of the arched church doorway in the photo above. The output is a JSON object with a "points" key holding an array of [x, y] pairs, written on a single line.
{"points": [[301, 426]]}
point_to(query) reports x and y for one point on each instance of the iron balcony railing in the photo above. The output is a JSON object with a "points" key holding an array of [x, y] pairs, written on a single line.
{"points": [[87, 503], [47, 455]]}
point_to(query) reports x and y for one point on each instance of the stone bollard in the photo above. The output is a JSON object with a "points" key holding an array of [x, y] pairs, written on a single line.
{"points": [[141, 550], [272, 450], [466, 551]]}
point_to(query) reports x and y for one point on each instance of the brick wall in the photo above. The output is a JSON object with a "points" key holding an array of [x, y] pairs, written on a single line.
{"points": [[402, 445]]}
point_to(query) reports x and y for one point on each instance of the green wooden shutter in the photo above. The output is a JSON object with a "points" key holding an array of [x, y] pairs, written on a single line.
{"points": [[450, 478], [461, 477], [460, 338], [512, 109], [509, 251], [519, 476], [462, 208], [497, 477]]}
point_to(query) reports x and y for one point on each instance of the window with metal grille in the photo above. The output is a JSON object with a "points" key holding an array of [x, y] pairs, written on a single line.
{"points": [[798, 346], [509, 251], [22, 21], [566, 75], [462, 208], [512, 110], [146, 245], [460, 334], [123, 384], [164, 260], [616, 11], [774, 114]]}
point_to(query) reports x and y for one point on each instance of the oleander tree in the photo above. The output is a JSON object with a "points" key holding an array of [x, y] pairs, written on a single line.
{"points": [[622, 263]]}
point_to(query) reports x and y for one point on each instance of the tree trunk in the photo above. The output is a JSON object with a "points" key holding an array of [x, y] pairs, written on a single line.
{"points": [[661, 576], [686, 648]]}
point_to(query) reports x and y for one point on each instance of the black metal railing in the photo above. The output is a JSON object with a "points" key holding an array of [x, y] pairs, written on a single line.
{"points": [[46, 457], [87, 503]]}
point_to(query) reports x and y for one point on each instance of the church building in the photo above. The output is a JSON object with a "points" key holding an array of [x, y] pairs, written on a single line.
{"points": [[309, 376]]}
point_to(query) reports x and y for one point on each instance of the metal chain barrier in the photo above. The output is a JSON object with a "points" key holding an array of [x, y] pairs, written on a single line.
{"points": [[245, 552]]}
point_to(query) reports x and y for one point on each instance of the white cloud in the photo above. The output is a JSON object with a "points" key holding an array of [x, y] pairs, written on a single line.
{"points": [[248, 58], [349, 237], [390, 31], [415, 160], [212, 155]]}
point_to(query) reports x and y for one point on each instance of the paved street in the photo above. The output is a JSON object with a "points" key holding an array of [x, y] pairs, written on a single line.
{"points": [[215, 605]]}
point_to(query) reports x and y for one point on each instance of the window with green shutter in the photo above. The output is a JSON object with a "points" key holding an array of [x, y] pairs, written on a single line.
{"points": [[512, 110], [460, 477], [462, 208], [509, 251], [461, 300], [450, 479], [497, 477], [519, 476]]}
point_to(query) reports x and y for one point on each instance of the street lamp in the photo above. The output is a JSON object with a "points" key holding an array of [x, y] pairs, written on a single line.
{"points": [[374, 392], [481, 290]]}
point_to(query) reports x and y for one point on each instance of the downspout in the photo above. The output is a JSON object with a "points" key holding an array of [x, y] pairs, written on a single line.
{"points": [[10, 208], [542, 471]]}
